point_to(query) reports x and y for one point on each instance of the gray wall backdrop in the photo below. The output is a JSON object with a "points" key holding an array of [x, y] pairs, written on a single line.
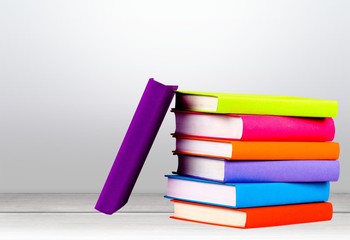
{"points": [[72, 72]]}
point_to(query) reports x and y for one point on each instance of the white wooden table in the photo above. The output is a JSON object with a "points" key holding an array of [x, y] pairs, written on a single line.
{"points": [[146, 216]]}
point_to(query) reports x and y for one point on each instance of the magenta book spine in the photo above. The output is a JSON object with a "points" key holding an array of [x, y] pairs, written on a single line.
{"points": [[279, 128]]}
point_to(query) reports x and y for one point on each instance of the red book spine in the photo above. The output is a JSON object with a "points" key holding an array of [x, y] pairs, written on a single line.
{"points": [[288, 214]]}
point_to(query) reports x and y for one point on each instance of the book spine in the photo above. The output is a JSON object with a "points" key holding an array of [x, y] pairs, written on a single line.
{"points": [[270, 194], [288, 214], [280, 107], [277, 128], [268, 150], [281, 171]]}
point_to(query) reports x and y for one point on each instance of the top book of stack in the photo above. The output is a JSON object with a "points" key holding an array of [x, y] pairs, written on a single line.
{"points": [[256, 104]]}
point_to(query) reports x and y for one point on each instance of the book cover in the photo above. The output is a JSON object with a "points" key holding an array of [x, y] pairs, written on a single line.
{"points": [[253, 217], [254, 127], [256, 150], [259, 171], [255, 104], [243, 195], [136, 144]]}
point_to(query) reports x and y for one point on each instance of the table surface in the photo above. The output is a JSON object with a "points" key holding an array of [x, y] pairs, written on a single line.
{"points": [[72, 216]]}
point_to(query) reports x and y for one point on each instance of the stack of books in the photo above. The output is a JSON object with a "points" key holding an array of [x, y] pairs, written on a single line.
{"points": [[253, 160]]}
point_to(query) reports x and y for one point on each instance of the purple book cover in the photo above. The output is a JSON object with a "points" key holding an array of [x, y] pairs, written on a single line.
{"points": [[135, 147], [281, 171]]}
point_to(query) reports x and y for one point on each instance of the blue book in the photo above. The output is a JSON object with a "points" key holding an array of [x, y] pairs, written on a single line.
{"points": [[243, 195]]}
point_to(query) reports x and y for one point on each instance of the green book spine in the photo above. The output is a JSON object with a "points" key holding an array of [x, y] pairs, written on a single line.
{"points": [[284, 106], [270, 104]]}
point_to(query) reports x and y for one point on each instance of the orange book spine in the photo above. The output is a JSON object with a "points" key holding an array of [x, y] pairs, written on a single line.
{"points": [[288, 214], [285, 150]]}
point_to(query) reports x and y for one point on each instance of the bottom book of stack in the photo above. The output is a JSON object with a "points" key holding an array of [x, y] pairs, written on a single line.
{"points": [[248, 205]]}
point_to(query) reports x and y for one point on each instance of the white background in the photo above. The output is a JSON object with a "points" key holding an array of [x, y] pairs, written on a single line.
{"points": [[72, 73]]}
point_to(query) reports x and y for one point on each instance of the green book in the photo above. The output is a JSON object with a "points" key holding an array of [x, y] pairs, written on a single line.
{"points": [[255, 104]]}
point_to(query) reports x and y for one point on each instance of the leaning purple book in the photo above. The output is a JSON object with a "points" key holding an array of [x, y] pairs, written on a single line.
{"points": [[135, 147]]}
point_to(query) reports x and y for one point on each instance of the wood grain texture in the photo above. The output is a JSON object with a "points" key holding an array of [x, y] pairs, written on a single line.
{"points": [[152, 226], [138, 203], [146, 216], [73, 203]]}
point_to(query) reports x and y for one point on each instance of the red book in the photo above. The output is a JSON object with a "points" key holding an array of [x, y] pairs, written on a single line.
{"points": [[253, 217]]}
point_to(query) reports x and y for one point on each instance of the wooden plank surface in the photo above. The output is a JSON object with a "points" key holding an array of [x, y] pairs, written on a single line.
{"points": [[153, 226], [71, 216], [34, 202], [153, 203]]}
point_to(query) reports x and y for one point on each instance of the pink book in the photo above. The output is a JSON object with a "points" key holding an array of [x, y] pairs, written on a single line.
{"points": [[254, 127]]}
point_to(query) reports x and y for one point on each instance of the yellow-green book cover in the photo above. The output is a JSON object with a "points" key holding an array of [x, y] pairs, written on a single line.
{"points": [[258, 104]]}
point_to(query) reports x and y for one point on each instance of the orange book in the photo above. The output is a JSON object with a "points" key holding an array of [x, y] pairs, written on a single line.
{"points": [[256, 150], [253, 217]]}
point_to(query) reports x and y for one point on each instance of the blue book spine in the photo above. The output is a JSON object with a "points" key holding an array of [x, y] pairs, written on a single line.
{"points": [[267, 194]]}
